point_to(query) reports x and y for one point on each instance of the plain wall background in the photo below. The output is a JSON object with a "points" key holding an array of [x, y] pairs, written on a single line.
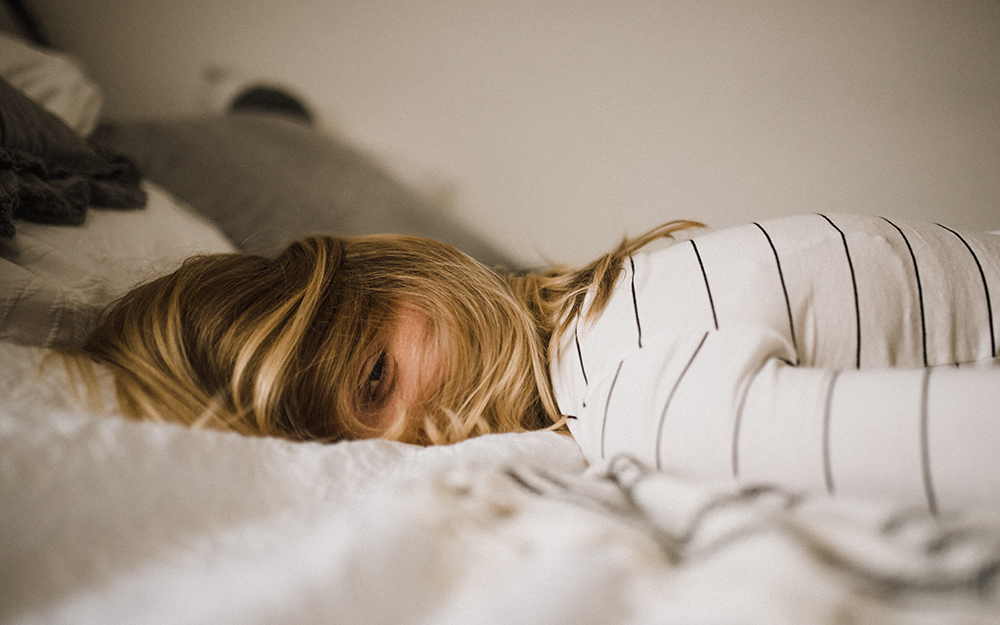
{"points": [[557, 126]]}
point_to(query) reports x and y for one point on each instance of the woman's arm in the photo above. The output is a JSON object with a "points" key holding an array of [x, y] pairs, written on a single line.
{"points": [[728, 405], [924, 435]]}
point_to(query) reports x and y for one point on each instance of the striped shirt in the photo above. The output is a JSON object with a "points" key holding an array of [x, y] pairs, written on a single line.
{"points": [[839, 353]]}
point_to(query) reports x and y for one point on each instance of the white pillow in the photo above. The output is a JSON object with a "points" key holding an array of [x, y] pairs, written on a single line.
{"points": [[55, 280], [55, 80]]}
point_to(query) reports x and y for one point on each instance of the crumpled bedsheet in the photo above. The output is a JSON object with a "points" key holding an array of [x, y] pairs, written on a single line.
{"points": [[104, 520]]}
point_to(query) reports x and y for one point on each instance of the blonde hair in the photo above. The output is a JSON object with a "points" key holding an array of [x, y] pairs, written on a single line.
{"points": [[277, 347]]}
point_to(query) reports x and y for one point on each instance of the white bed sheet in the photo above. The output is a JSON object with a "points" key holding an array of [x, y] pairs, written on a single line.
{"points": [[104, 520]]}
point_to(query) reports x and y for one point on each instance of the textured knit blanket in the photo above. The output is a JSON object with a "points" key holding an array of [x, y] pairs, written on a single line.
{"points": [[49, 174]]}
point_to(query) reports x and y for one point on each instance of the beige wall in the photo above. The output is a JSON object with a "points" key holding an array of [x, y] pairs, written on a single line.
{"points": [[558, 125]]}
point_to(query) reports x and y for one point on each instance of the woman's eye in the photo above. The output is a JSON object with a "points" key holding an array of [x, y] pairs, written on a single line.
{"points": [[377, 371], [377, 377]]}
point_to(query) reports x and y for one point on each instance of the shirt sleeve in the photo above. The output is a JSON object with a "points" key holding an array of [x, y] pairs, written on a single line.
{"points": [[730, 405]]}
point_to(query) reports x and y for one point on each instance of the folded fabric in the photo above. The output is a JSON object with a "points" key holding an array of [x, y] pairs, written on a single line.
{"points": [[54, 79], [49, 174]]}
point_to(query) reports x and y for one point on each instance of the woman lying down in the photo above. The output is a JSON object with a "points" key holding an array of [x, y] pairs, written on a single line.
{"points": [[847, 354]]}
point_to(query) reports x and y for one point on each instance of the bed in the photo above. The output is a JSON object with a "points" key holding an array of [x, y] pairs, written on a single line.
{"points": [[107, 520]]}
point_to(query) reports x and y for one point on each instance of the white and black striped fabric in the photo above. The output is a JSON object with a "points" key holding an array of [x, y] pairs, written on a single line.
{"points": [[840, 353]]}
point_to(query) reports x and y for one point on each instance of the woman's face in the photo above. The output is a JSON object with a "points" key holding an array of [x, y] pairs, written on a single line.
{"points": [[402, 375]]}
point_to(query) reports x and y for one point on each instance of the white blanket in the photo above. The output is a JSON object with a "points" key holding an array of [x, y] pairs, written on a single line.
{"points": [[104, 520]]}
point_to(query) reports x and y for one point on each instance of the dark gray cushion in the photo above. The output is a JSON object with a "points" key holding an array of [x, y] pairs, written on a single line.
{"points": [[266, 180]]}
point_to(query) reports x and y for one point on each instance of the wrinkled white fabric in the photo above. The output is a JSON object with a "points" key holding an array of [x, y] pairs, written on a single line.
{"points": [[104, 520], [55, 280]]}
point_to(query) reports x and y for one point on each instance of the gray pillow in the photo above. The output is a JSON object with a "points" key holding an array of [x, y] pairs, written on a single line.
{"points": [[266, 180]]}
